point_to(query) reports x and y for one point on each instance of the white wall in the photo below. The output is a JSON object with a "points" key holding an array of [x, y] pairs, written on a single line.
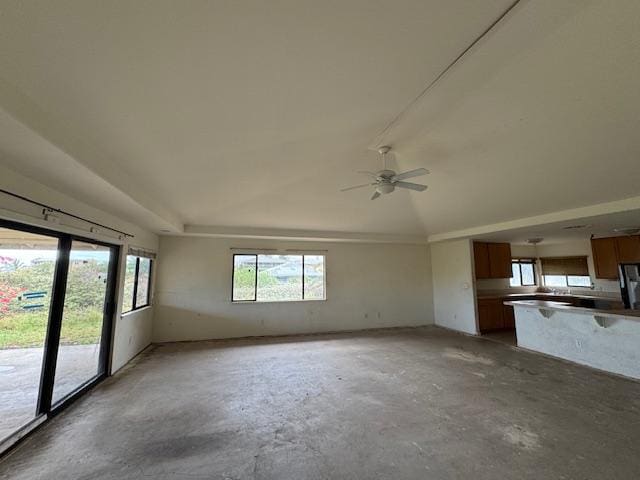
{"points": [[453, 294], [132, 332], [368, 286]]}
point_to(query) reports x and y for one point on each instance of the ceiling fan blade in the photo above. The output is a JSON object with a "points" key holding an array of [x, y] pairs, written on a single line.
{"points": [[375, 195], [411, 186], [410, 174], [366, 172], [356, 186]]}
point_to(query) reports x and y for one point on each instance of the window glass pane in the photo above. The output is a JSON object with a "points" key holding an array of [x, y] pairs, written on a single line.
{"points": [[84, 302], [528, 278], [514, 281], [27, 265], [144, 271], [314, 277], [578, 281], [279, 277], [129, 280], [555, 280], [244, 277]]}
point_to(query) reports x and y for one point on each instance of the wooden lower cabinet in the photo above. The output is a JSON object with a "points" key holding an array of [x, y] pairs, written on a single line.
{"points": [[494, 315], [490, 314], [509, 317]]}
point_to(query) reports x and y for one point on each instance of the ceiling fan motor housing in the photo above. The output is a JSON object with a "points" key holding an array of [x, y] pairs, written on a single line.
{"points": [[385, 174]]}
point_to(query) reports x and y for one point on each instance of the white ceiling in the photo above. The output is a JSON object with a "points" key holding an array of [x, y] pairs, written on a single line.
{"points": [[255, 114]]}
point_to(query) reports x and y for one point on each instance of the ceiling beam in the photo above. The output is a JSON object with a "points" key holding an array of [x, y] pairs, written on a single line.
{"points": [[608, 208], [304, 235], [522, 25]]}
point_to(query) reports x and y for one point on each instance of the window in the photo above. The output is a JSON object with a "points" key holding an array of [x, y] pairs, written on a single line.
{"points": [[523, 272], [137, 283], [277, 278], [566, 272], [567, 281]]}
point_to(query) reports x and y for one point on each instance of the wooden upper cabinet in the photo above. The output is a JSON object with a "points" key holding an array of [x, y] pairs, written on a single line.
{"points": [[628, 249], [492, 260], [481, 259], [605, 258], [500, 260]]}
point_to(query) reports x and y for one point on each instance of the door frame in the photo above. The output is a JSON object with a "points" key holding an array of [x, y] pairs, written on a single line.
{"points": [[54, 324]]}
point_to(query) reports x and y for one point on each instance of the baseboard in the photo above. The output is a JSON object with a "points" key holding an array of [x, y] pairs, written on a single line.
{"points": [[288, 335]]}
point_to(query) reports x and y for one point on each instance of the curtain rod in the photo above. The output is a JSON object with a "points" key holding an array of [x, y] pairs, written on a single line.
{"points": [[53, 209]]}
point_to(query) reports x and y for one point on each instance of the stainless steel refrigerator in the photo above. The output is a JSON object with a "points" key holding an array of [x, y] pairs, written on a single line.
{"points": [[630, 285]]}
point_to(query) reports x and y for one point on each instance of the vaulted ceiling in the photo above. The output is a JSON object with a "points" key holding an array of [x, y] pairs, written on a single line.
{"points": [[255, 114]]}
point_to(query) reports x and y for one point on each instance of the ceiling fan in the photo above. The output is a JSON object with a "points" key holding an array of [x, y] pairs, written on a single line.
{"points": [[386, 181]]}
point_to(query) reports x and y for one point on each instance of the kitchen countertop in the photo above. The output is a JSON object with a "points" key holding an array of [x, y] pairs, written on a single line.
{"points": [[497, 296], [565, 307]]}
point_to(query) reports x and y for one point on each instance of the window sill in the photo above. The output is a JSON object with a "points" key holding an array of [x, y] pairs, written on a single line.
{"points": [[126, 314], [262, 302]]}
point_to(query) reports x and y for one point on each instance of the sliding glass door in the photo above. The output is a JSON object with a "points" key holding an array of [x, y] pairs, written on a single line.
{"points": [[85, 305], [56, 306], [27, 267]]}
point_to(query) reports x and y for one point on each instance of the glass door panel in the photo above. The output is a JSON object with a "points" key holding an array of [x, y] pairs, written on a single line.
{"points": [[27, 267], [83, 315]]}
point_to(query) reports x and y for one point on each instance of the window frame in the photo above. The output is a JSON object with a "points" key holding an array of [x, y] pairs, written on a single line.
{"points": [[257, 262], [527, 261], [134, 300]]}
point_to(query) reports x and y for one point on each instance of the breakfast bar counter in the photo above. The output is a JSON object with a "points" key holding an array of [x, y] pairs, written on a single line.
{"points": [[608, 340]]}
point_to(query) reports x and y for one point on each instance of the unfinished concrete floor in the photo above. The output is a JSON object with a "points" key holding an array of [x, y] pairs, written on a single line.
{"points": [[397, 404]]}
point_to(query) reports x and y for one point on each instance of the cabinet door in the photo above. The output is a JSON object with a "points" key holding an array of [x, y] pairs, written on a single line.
{"points": [[509, 317], [628, 249], [484, 316], [500, 260], [604, 257], [490, 315], [481, 259]]}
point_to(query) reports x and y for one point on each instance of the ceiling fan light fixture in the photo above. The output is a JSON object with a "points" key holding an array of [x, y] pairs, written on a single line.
{"points": [[384, 188], [385, 181]]}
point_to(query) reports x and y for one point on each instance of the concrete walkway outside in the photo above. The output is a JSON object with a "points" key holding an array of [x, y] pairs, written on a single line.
{"points": [[398, 404], [20, 370]]}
